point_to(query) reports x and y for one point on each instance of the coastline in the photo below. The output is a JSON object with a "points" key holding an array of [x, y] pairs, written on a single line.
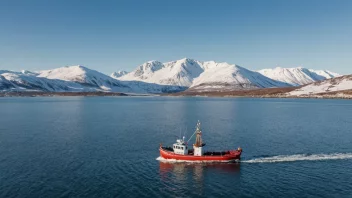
{"points": [[265, 93], [259, 93], [61, 94]]}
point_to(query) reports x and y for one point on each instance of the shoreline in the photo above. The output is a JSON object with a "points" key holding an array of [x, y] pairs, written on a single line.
{"points": [[180, 94], [61, 94], [265, 96]]}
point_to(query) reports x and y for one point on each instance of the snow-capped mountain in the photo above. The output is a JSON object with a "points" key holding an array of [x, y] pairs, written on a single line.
{"points": [[84, 76], [118, 74], [5, 84], [157, 77], [223, 76], [200, 75], [297, 76], [74, 79], [330, 85], [176, 73], [17, 81]]}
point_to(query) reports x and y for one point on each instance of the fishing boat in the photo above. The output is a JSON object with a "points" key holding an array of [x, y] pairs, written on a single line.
{"points": [[180, 151]]}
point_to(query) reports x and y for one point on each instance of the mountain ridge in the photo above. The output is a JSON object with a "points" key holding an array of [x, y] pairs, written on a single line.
{"points": [[213, 75], [152, 77], [298, 75]]}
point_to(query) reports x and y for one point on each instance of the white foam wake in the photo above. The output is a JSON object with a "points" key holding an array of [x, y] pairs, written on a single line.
{"points": [[300, 157]]}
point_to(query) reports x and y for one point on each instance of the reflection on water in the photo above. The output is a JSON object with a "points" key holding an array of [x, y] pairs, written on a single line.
{"points": [[177, 176], [181, 168]]}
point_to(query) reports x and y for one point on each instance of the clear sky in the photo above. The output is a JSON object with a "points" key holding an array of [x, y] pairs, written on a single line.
{"points": [[120, 35]]}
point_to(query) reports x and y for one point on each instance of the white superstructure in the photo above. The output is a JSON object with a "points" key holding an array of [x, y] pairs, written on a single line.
{"points": [[198, 145], [180, 147]]}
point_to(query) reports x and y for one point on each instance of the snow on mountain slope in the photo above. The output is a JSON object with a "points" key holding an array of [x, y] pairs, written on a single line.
{"points": [[85, 77], [325, 73], [95, 79], [5, 85], [8, 71], [198, 75], [178, 73], [329, 85], [29, 73], [18, 81], [75, 79], [297, 76], [223, 76], [118, 74], [157, 77], [19, 73]]}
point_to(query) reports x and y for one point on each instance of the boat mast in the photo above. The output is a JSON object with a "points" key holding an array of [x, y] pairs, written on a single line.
{"points": [[199, 142]]}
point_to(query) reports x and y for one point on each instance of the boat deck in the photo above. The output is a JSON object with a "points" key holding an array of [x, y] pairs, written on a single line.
{"points": [[207, 153]]}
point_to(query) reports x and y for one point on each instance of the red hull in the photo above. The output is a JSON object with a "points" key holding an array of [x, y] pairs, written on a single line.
{"points": [[231, 156]]}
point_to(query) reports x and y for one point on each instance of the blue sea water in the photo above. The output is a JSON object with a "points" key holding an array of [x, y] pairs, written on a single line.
{"points": [[107, 147]]}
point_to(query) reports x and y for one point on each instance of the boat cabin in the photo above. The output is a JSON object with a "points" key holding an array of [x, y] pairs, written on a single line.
{"points": [[180, 147]]}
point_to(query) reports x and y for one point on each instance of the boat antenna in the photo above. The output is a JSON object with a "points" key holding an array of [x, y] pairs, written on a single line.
{"points": [[198, 125], [184, 133], [180, 133]]}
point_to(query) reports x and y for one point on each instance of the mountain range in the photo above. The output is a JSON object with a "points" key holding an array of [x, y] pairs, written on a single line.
{"points": [[193, 74], [157, 77]]}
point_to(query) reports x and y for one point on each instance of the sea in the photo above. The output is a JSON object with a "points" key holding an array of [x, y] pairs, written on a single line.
{"points": [[108, 147]]}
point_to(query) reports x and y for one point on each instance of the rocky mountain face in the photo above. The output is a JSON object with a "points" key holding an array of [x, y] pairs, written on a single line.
{"points": [[118, 74]]}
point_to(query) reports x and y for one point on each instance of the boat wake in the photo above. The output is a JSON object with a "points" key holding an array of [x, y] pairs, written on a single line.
{"points": [[300, 157]]}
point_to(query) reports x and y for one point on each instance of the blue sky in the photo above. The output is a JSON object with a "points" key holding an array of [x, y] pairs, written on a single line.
{"points": [[120, 35]]}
